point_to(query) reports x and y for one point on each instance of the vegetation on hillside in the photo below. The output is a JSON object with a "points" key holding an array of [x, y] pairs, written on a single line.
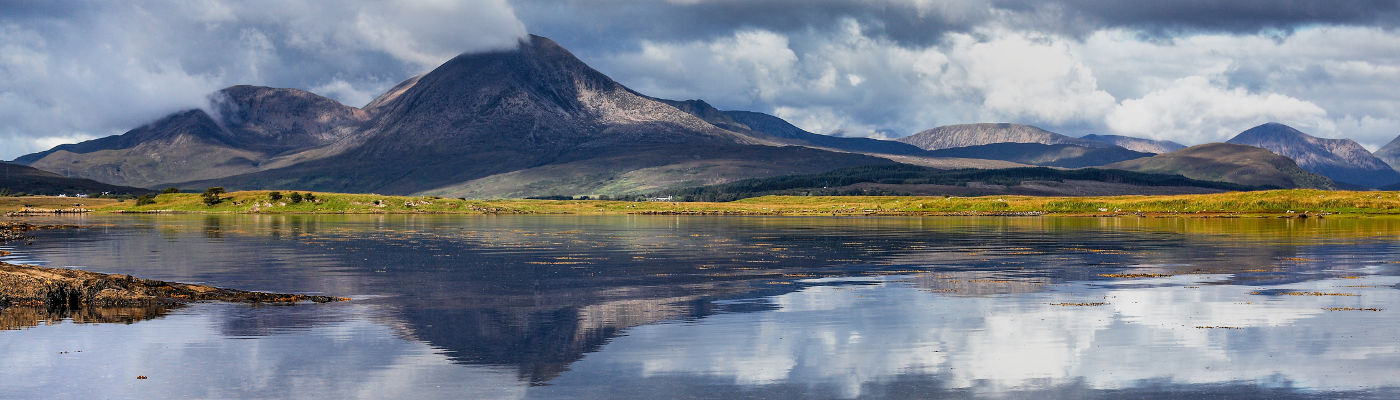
{"points": [[1276, 202], [832, 183]]}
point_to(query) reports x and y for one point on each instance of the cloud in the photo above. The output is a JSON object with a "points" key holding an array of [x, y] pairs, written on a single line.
{"points": [[1025, 78], [71, 69], [835, 335], [850, 83], [1194, 110], [1171, 18], [1345, 71]]}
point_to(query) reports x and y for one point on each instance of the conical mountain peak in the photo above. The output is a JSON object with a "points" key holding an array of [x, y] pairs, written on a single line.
{"points": [[1342, 160]]}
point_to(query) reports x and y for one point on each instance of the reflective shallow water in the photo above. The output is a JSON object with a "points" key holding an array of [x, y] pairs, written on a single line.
{"points": [[728, 307]]}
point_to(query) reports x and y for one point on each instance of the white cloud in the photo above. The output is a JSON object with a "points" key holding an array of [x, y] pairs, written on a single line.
{"points": [[1192, 88], [1346, 72], [846, 81], [1149, 331], [1026, 78], [348, 93], [1194, 110]]}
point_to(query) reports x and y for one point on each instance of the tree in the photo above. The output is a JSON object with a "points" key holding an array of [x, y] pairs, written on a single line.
{"points": [[309, 197], [296, 197], [170, 190], [211, 195], [275, 196], [5, 192], [145, 199]]}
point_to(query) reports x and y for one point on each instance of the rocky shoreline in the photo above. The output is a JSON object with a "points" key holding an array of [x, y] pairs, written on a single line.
{"points": [[31, 294], [61, 288], [16, 230]]}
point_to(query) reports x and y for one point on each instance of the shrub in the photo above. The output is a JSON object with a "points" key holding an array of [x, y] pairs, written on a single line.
{"points": [[275, 196], [145, 199], [309, 197], [211, 195], [296, 197], [170, 190]]}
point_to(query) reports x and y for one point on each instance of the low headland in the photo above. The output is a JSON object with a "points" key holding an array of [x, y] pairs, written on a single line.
{"points": [[35, 286], [1270, 203], [30, 293]]}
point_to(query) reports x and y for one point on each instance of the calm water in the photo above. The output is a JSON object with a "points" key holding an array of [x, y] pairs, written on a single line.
{"points": [[726, 307]]}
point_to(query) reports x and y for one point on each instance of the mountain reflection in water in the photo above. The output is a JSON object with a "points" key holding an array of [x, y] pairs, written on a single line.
{"points": [[631, 306]]}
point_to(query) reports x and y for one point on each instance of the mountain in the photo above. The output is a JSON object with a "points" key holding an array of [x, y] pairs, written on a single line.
{"points": [[773, 128], [1234, 163], [534, 120], [950, 136], [1342, 160], [256, 128], [1390, 153], [16, 178], [1048, 155], [1137, 144]]}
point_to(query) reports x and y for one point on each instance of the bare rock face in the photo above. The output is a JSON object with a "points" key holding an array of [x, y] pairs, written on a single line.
{"points": [[1137, 144], [1342, 160], [1390, 153], [946, 137]]}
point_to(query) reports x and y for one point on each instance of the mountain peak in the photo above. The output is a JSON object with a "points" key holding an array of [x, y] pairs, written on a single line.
{"points": [[1271, 130], [1390, 153], [1342, 160]]}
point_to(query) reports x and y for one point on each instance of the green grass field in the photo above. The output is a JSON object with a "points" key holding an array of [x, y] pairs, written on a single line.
{"points": [[1276, 202]]}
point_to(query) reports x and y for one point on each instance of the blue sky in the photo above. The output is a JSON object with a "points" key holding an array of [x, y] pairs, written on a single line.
{"points": [[1190, 71]]}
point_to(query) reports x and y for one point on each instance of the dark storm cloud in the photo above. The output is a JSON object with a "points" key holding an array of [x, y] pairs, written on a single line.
{"points": [[1165, 18], [605, 24]]}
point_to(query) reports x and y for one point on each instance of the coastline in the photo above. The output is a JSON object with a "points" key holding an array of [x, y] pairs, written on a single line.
{"points": [[1295, 203]]}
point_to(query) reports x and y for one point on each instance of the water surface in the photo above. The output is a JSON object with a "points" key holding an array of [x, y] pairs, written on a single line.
{"points": [[727, 307]]}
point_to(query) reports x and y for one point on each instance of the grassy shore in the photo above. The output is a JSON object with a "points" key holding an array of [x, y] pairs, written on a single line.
{"points": [[1264, 203]]}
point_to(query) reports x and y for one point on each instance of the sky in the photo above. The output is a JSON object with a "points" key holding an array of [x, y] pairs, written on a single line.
{"points": [[1192, 71]]}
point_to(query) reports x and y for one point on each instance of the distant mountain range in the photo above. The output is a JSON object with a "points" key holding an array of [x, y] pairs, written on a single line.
{"points": [[536, 121], [1137, 144], [1342, 160], [769, 127], [951, 136]]}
